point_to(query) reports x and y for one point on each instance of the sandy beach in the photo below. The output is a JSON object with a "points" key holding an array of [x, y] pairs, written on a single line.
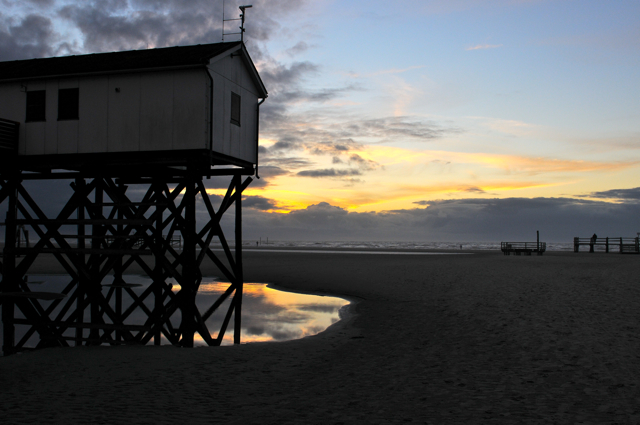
{"points": [[456, 339]]}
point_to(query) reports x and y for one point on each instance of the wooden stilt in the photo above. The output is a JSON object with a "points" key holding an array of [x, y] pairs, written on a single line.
{"points": [[238, 269], [9, 283], [122, 232]]}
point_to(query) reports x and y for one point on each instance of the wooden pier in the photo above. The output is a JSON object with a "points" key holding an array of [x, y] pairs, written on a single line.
{"points": [[619, 244], [523, 248]]}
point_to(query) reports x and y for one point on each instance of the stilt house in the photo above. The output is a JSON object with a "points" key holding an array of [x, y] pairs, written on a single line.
{"points": [[162, 119], [177, 106]]}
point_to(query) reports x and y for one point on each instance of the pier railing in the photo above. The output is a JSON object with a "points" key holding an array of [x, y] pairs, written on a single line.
{"points": [[619, 244], [526, 248]]}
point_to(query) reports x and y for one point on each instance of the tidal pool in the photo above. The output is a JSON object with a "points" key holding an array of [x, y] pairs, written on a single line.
{"points": [[268, 314]]}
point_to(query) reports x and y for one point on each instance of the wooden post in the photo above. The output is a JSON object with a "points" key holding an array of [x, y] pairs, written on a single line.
{"points": [[538, 240], [117, 267], [8, 268], [606, 244], [189, 264], [82, 285], [157, 293], [82, 264], [95, 286], [238, 271]]}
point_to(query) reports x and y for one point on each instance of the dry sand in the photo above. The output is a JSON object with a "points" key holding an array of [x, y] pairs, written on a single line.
{"points": [[462, 339]]}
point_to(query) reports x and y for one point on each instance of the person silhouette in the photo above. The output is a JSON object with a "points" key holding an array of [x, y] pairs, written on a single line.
{"points": [[594, 239]]}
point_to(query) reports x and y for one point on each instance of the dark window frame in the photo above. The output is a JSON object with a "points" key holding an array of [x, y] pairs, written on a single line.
{"points": [[68, 104], [36, 110], [236, 108]]}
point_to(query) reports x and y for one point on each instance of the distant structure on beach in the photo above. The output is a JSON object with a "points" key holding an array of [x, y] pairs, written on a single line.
{"points": [[161, 118], [524, 248], [629, 245]]}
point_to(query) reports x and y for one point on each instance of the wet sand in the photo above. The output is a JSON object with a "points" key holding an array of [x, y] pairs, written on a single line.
{"points": [[456, 339]]}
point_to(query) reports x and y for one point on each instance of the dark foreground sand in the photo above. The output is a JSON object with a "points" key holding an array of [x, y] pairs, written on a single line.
{"points": [[479, 338]]}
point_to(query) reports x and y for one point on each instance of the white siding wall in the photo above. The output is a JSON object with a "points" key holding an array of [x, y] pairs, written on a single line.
{"points": [[12, 107], [68, 131], [191, 112], [123, 118], [93, 125], [230, 75], [165, 110]]}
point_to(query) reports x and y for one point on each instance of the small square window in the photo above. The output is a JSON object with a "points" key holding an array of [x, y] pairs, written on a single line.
{"points": [[235, 109], [68, 104], [36, 101]]}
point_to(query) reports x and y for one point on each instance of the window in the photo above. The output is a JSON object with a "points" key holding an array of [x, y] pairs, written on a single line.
{"points": [[68, 104], [235, 109], [36, 101]]}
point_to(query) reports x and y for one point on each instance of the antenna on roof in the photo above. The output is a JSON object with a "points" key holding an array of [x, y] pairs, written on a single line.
{"points": [[241, 18]]}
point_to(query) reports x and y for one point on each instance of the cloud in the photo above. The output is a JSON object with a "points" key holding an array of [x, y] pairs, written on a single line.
{"points": [[113, 26], [363, 164], [272, 171], [289, 162], [484, 46], [345, 137], [32, 37], [474, 190], [621, 194], [258, 203], [280, 77], [300, 47], [329, 172], [318, 308], [486, 219], [41, 3]]}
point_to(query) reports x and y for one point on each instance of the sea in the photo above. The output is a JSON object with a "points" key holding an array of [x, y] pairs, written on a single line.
{"points": [[390, 246]]}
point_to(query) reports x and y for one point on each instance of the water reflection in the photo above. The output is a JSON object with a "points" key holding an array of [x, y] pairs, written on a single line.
{"points": [[268, 314]]}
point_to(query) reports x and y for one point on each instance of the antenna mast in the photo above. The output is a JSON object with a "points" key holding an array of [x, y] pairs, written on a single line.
{"points": [[241, 18]]}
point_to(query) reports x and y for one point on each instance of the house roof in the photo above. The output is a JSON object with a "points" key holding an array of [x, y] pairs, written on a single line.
{"points": [[131, 60]]}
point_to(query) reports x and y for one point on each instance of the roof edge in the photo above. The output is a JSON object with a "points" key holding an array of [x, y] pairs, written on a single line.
{"points": [[82, 74], [199, 59]]}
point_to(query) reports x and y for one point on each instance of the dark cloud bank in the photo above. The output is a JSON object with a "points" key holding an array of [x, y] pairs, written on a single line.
{"points": [[557, 219], [516, 219]]}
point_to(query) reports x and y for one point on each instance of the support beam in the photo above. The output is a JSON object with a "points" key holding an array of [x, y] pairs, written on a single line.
{"points": [[123, 228], [9, 278], [239, 278]]}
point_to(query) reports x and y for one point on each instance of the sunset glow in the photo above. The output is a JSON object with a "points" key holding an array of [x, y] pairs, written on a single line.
{"points": [[375, 112]]}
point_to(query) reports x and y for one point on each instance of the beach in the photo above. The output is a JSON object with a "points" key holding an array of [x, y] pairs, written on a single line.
{"points": [[437, 339]]}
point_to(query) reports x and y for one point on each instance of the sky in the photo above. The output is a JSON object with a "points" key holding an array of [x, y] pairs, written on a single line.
{"points": [[458, 120]]}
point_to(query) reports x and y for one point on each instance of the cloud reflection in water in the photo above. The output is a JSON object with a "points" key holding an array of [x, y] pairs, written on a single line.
{"points": [[269, 314]]}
